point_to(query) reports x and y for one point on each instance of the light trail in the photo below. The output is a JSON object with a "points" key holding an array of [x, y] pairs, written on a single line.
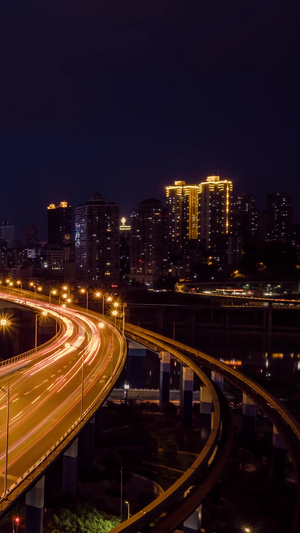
{"points": [[46, 386]]}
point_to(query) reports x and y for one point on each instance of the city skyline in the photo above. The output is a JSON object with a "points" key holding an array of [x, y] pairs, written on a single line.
{"points": [[41, 214], [123, 99]]}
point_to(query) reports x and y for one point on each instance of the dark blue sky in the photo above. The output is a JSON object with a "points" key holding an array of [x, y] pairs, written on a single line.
{"points": [[125, 96]]}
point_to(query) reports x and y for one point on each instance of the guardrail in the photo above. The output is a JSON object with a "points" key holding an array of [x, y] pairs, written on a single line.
{"points": [[288, 427], [31, 476], [170, 496]]}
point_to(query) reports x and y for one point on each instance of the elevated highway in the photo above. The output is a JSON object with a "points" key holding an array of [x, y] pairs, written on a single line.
{"points": [[50, 393]]}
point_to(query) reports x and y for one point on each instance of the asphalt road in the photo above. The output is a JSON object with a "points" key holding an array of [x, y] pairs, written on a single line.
{"points": [[50, 389]]}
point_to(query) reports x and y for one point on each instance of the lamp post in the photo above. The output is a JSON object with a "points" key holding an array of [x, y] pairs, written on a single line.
{"points": [[98, 295], [54, 292], [6, 391], [19, 282], [128, 509], [86, 291]]}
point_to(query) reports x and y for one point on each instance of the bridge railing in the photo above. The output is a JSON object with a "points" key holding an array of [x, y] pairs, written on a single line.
{"points": [[38, 468]]}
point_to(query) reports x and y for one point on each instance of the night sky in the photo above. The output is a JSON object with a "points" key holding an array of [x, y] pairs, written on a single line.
{"points": [[123, 97]]}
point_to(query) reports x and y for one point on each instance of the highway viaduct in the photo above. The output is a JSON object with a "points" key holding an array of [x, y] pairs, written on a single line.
{"points": [[218, 440]]}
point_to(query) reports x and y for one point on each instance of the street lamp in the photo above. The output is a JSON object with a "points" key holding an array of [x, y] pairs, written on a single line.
{"points": [[54, 292], [128, 509], [98, 294], [16, 522], [115, 313], [19, 282], [6, 391], [86, 291]]}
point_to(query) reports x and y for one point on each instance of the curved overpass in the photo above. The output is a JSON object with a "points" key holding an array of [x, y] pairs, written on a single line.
{"points": [[205, 471], [53, 391], [288, 427]]}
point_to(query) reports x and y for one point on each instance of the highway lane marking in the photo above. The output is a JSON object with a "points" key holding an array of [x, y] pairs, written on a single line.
{"points": [[52, 375], [16, 399], [35, 400], [17, 416]]}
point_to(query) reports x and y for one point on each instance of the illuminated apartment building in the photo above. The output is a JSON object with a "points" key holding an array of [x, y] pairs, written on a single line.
{"points": [[182, 206], [279, 216], [59, 223], [97, 242], [147, 241], [215, 217]]}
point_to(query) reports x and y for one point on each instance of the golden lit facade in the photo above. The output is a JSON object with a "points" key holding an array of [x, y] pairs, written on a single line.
{"points": [[215, 209], [183, 214]]}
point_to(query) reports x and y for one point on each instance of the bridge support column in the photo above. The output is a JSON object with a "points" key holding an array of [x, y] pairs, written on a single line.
{"points": [[249, 418], [87, 446], [69, 475], [164, 378], [205, 413], [187, 395], [217, 379], [35, 507], [193, 523], [279, 456], [136, 365]]}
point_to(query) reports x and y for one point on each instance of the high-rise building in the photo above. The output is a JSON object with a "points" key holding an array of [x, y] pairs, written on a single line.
{"points": [[7, 233], [97, 254], [147, 241], [30, 236], [279, 216], [182, 205], [247, 214], [125, 237], [215, 212], [59, 223]]}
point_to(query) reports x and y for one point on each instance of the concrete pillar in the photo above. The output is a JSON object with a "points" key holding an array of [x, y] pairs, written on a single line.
{"points": [[69, 475], [35, 507], [193, 523], [136, 365], [249, 418], [279, 455], [87, 446], [187, 395], [205, 413], [164, 378], [217, 379]]}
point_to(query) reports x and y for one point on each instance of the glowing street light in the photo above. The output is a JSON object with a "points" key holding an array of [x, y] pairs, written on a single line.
{"points": [[128, 509], [101, 325], [19, 282], [16, 523], [115, 313], [98, 294], [86, 292]]}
